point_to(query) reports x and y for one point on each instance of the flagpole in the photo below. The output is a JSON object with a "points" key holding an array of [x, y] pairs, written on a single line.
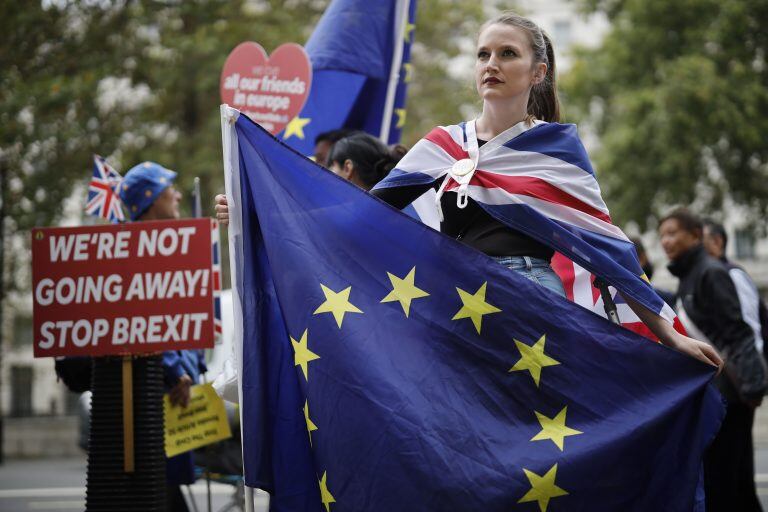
{"points": [[197, 207], [394, 72], [232, 185]]}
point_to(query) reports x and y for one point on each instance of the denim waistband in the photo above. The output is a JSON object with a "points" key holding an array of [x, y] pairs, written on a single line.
{"points": [[521, 261]]}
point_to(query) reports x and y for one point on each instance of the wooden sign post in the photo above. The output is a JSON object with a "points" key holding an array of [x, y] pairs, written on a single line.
{"points": [[128, 414]]}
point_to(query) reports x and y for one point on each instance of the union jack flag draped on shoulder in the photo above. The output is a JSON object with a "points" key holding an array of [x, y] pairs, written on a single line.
{"points": [[103, 200], [537, 179]]}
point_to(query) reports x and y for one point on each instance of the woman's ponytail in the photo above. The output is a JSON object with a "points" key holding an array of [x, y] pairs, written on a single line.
{"points": [[543, 103]]}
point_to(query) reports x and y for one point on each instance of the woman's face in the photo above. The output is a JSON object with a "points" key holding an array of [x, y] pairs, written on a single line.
{"points": [[504, 68], [339, 169], [347, 171]]}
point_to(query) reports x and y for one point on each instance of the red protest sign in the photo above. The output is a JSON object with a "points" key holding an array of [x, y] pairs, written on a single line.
{"points": [[123, 289], [270, 90]]}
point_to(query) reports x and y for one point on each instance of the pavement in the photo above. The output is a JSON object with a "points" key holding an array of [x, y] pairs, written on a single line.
{"points": [[59, 484]]}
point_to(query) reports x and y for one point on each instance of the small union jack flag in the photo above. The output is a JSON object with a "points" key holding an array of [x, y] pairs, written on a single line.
{"points": [[103, 200], [216, 271]]}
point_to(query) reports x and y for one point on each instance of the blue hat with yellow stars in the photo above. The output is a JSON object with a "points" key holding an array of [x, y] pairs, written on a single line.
{"points": [[141, 186]]}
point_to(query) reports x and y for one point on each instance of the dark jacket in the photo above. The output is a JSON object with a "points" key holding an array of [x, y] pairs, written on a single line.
{"points": [[762, 309], [710, 300]]}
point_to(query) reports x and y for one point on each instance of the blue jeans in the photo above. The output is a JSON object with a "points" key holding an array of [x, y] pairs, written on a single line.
{"points": [[536, 269]]}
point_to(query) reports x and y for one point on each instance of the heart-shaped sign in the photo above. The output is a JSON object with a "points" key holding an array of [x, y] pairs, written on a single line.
{"points": [[269, 90]]}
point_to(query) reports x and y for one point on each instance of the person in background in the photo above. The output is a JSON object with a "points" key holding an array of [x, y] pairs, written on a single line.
{"points": [[326, 140], [362, 159], [709, 308], [148, 192], [753, 307]]}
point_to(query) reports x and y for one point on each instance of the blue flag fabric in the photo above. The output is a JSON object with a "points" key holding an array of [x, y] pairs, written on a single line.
{"points": [[387, 367], [351, 51]]}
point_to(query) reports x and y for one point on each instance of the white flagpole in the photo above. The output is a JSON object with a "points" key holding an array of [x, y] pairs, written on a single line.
{"points": [[401, 19], [232, 184]]}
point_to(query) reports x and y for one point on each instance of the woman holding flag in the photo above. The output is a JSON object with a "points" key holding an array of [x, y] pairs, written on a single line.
{"points": [[517, 185]]}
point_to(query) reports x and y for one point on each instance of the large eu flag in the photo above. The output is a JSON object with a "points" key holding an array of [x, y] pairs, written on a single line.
{"points": [[387, 367], [353, 55]]}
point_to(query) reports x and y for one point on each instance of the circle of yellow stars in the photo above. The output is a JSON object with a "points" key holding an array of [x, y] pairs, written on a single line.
{"points": [[533, 362]]}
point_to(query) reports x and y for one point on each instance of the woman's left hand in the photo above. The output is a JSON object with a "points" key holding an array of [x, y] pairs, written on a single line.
{"points": [[702, 351]]}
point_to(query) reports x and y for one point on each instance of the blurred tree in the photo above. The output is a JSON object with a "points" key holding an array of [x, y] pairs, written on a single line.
{"points": [[442, 88], [678, 95], [139, 80]]}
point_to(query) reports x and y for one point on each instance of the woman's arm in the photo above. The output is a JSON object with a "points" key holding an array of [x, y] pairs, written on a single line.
{"points": [[670, 337]]}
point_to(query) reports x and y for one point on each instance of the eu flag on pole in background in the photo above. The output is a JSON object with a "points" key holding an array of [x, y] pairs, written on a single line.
{"points": [[387, 367], [353, 50]]}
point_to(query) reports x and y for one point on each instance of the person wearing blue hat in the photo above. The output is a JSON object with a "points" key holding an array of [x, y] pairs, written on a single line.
{"points": [[148, 192]]}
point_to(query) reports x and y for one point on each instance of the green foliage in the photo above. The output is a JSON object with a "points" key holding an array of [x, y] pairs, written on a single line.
{"points": [[139, 80], [678, 94], [442, 81]]}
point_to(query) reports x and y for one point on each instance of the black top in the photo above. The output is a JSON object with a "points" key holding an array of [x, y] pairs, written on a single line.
{"points": [[472, 225]]}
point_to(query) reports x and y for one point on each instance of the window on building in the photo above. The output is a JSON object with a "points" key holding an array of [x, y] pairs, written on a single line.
{"points": [[21, 390], [745, 244], [22, 331]]}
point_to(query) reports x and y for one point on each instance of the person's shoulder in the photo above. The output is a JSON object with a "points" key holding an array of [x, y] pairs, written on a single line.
{"points": [[713, 272], [564, 132], [712, 265], [741, 277], [455, 131]]}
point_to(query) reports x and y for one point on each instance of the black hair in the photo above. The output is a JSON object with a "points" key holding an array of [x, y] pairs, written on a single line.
{"points": [[639, 247], [686, 219], [370, 158], [642, 254], [717, 229], [333, 136]]}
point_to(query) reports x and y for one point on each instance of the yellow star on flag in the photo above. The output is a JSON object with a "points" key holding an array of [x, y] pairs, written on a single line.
{"points": [[337, 303], [533, 359], [302, 354], [408, 31], [554, 428], [407, 72], [325, 494], [311, 427], [404, 290], [400, 113], [543, 488], [475, 306], [296, 127]]}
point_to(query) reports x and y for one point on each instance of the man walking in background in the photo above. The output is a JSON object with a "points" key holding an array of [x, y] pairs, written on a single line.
{"points": [[753, 308], [708, 306]]}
